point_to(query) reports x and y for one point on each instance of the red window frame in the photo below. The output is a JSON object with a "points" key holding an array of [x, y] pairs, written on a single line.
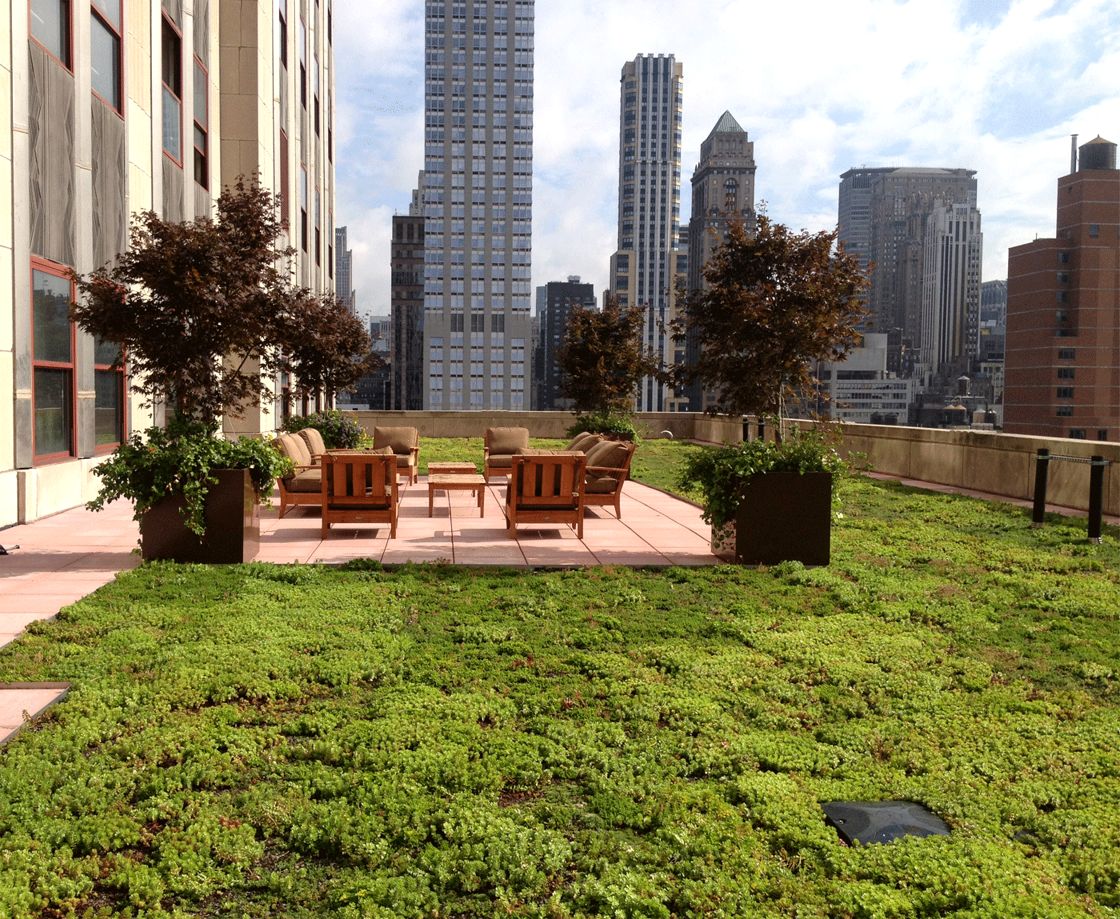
{"points": [[122, 391], [94, 11], [203, 155], [177, 160], [68, 64], [59, 271]]}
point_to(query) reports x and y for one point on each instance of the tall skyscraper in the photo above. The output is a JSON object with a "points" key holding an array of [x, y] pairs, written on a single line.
{"points": [[406, 301], [478, 203], [344, 270], [950, 330], [560, 298], [1063, 303], [884, 218], [649, 203], [722, 190]]}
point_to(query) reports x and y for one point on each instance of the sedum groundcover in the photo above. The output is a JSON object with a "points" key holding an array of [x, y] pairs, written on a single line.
{"points": [[436, 741]]}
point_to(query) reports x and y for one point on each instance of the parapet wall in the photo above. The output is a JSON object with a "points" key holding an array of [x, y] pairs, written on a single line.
{"points": [[1001, 464]]}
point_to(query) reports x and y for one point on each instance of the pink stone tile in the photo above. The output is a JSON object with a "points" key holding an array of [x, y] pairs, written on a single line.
{"points": [[12, 623], [17, 705]]}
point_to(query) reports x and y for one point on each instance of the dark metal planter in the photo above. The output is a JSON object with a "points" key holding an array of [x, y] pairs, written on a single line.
{"points": [[233, 529], [785, 516]]}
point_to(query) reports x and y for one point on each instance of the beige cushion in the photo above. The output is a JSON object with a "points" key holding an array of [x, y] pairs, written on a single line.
{"points": [[506, 440], [382, 451], [585, 442], [314, 441], [402, 440], [608, 453], [600, 485], [308, 481], [500, 462], [295, 448]]}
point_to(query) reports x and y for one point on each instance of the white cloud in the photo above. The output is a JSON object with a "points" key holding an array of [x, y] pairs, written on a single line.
{"points": [[820, 86]]}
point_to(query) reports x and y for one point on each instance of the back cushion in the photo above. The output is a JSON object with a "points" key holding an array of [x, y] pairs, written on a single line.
{"points": [[296, 449], [401, 440], [507, 440], [608, 453], [314, 441], [585, 442]]}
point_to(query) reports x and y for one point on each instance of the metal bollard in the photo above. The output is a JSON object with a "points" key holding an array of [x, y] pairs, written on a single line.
{"points": [[1096, 497], [1042, 467]]}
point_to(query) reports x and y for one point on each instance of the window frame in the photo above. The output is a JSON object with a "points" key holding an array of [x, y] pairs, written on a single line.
{"points": [[119, 35], [57, 270], [68, 61], [121, 373], [198, 65], [177, 160]]}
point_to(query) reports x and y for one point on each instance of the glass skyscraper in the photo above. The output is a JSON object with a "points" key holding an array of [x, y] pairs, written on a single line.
{"points": [[478, 203]]}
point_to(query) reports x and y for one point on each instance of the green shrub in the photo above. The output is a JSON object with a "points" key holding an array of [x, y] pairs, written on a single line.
{"points": [[609, 423], [340, 431]]}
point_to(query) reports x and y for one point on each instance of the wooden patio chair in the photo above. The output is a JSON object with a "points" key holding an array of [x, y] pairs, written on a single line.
{"points": [[405, 443], [608, 468], [499, 446], [359, 488], [546, 488]]}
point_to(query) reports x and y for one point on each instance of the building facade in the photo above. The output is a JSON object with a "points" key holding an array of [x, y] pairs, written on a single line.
{"points": [[406, 303], [1062, 371], [344, 271], [643, 268], [560, 298], [722, 191], [478, 203], [883, 220], [860, 390], [950, 328], [116, 108]]}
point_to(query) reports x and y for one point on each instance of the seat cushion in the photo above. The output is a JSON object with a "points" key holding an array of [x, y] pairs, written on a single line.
{"points": [[600, 485], [295, 448], [500, 462], [310, 481], [610, 454], [402, 440], [506, 440], [314, 441]]}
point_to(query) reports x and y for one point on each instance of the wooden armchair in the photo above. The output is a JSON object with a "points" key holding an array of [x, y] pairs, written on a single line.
{"points": [[405, 444], [499, 446], [304, 485], [546, 488], [608, 468], [359, 488]]}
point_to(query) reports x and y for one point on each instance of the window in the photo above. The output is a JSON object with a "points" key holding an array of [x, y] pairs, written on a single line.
{"points": [[1067, 354], [303, 207], [282, 32], [109, 390], [1065, 392], [52, 334], [1102, 434], [318, 228], [1065, 373], [105, 51], [1094, 230], [171, 50], [50, 27], [201, 124], [285, 213], [1077, 433], [1065, 411], [315, 84], [303, 63]]}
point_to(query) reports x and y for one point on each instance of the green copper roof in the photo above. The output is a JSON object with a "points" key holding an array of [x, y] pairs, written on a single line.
{"points": [[727, 125]]}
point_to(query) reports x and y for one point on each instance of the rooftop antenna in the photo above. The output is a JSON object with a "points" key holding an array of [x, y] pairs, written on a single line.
{"points": [[1072, 154]]}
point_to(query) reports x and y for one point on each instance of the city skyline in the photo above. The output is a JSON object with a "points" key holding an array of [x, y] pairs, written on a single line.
{"points": [[995, 87]]}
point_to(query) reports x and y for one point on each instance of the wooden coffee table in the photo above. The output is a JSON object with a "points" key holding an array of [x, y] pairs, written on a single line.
{"points": [[452, 469], [462, 481]]}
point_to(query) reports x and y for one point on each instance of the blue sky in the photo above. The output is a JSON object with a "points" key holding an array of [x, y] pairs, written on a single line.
{"points": [[820, 86]]}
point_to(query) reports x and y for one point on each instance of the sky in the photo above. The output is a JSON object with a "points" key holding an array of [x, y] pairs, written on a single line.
{"points": [[997, 86]]}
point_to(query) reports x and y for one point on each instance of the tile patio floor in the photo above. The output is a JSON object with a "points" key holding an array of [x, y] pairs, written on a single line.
{"points": [[65, 557]]}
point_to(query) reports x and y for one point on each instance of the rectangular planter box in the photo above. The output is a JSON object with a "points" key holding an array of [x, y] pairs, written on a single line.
{"points": [[785, 516], [233, 529]]}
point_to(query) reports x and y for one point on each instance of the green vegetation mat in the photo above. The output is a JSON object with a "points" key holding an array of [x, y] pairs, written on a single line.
{"points": [[270, 741]]}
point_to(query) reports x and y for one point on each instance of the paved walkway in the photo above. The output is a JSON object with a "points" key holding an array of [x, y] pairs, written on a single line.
{"points": [[65, 557]]}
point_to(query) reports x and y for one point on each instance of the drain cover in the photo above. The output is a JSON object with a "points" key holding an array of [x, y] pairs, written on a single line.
{"points": [[882, 821]]}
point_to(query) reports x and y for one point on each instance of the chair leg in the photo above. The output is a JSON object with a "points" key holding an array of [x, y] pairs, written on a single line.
{"points": [[324, 530]]}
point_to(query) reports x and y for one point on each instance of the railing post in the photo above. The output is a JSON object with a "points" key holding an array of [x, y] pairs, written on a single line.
{"points": [[1042, 467], [1096, 497]]}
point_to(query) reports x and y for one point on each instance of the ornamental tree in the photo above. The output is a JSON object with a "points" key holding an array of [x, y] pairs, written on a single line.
{"points": [[774, 302], [602, 359], [206, 311]]}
